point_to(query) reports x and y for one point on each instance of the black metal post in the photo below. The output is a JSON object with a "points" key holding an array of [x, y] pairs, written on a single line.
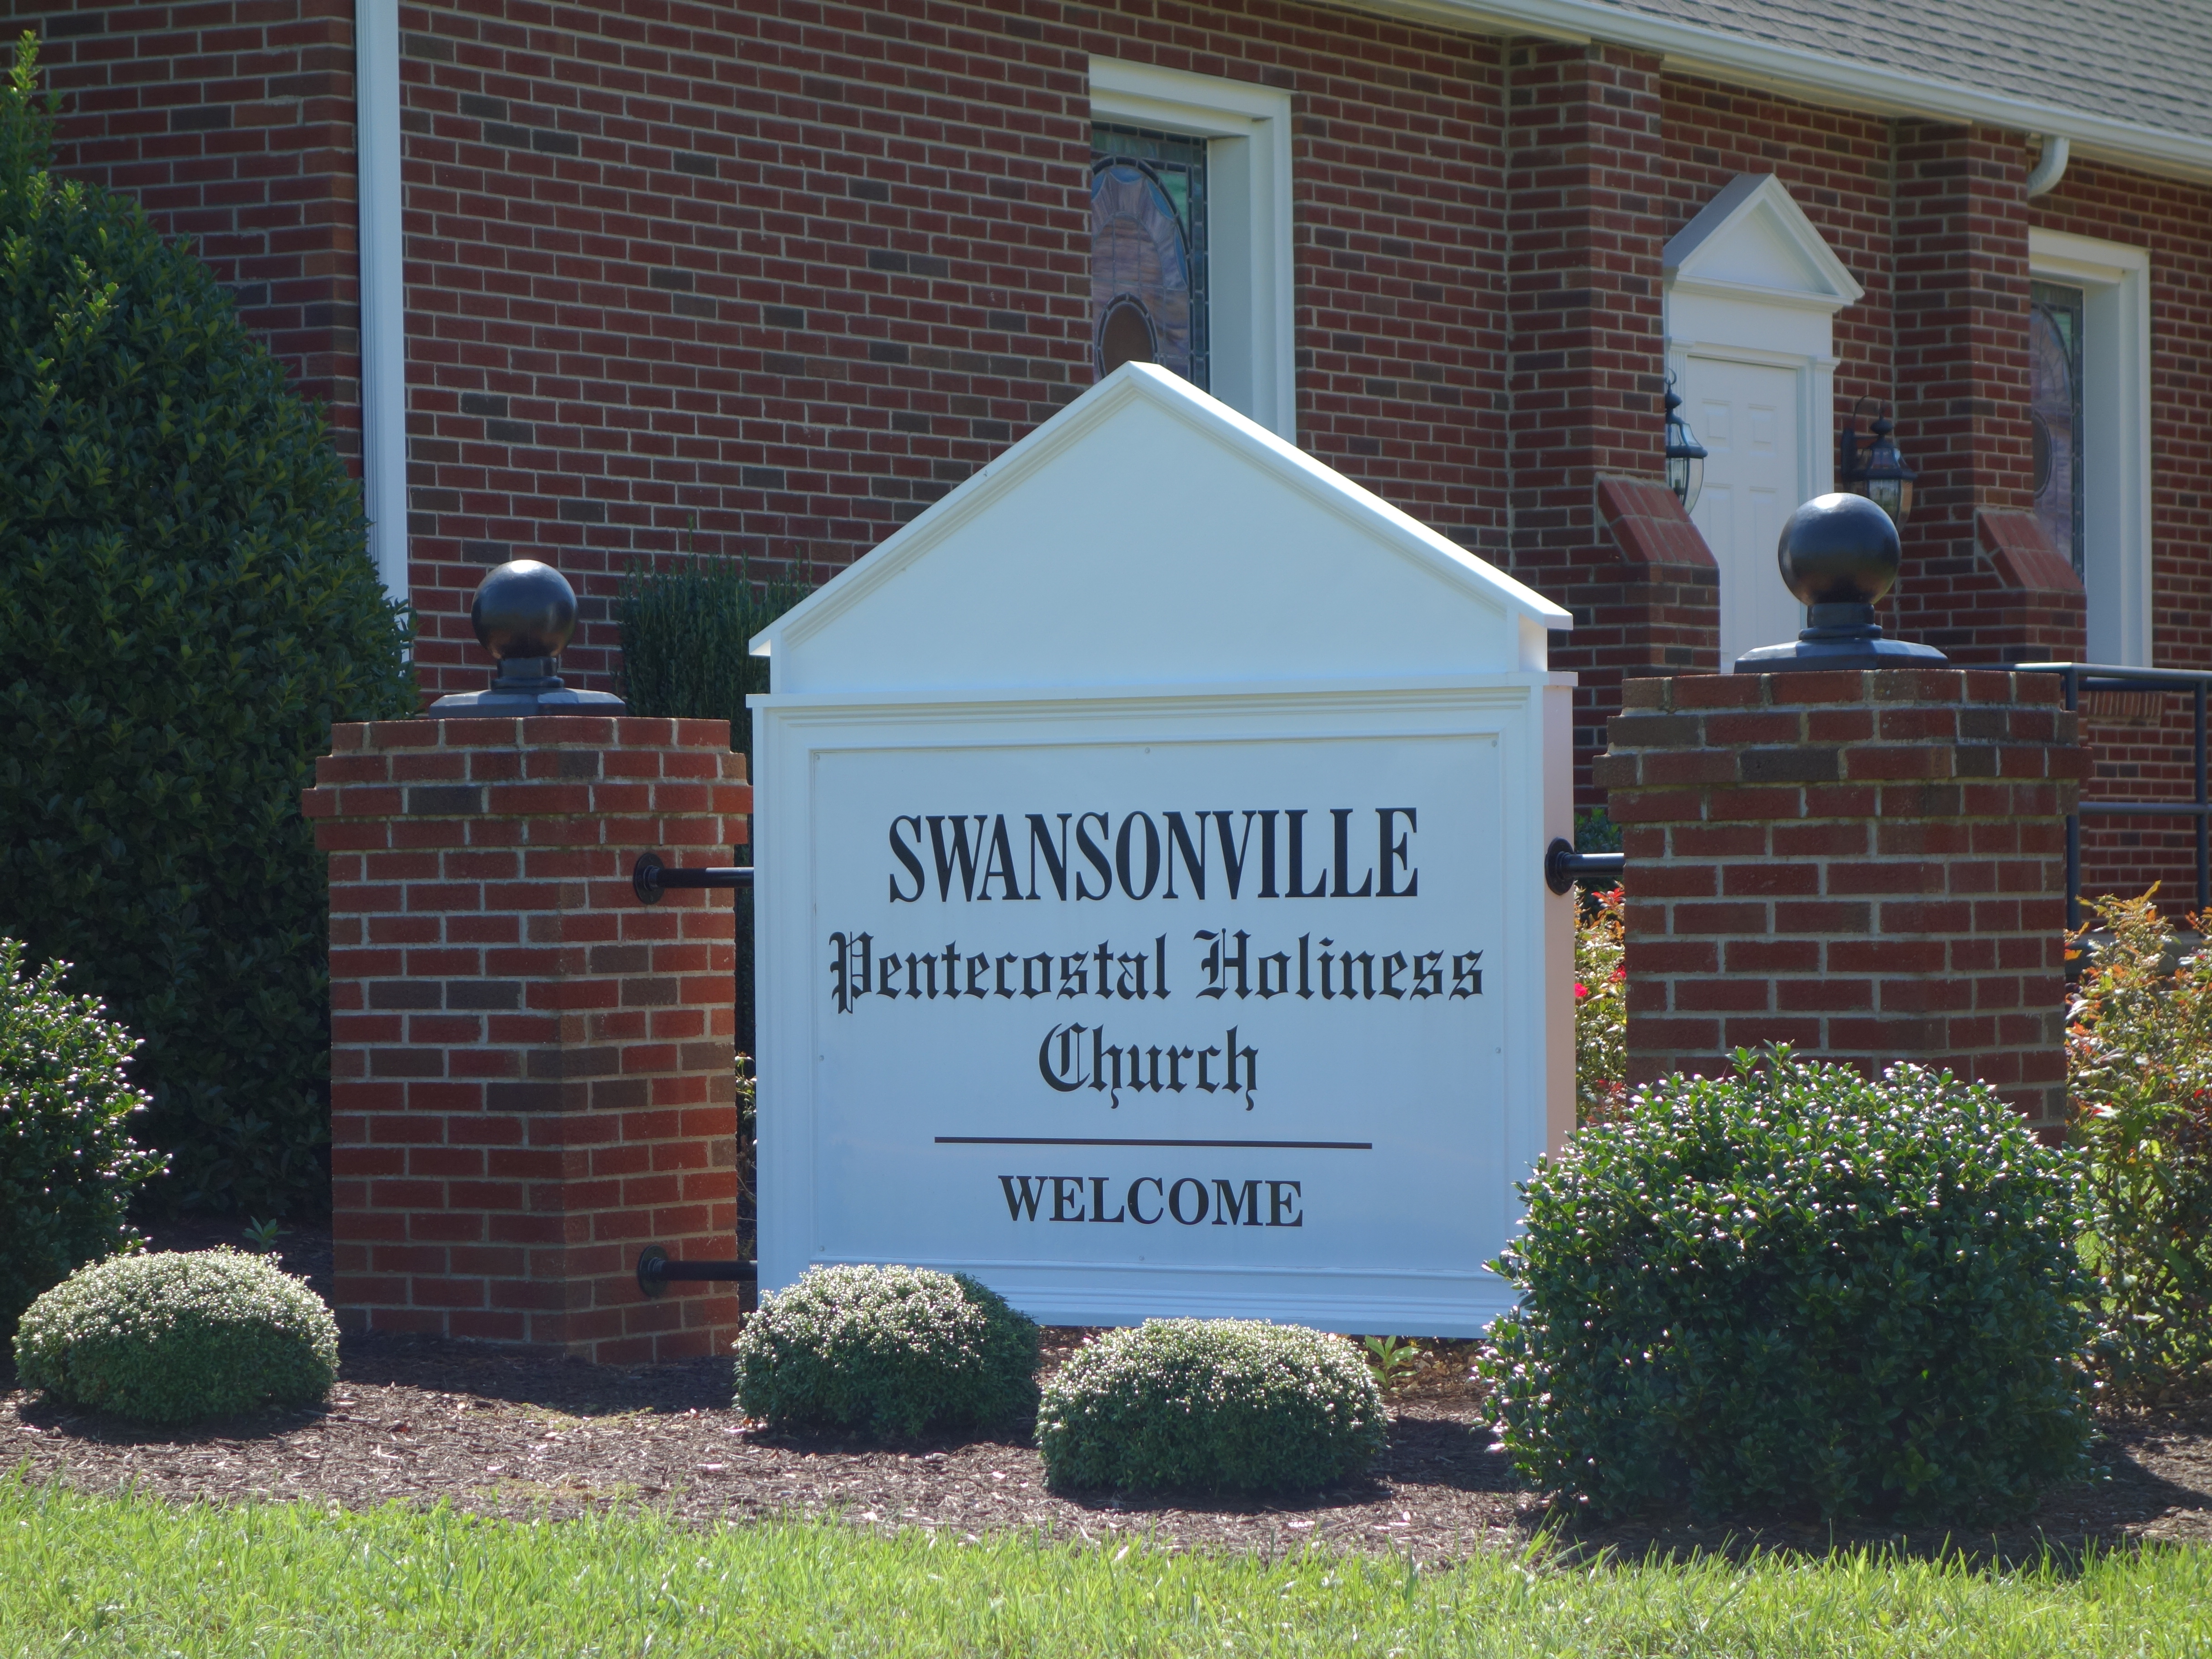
{"points": [[656, 1273], [2073, 821], [2203, 816], [1562, 865], [649, 878]]}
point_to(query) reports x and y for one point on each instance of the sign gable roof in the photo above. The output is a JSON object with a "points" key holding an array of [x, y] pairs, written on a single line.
{"points": [[1149, 534]]}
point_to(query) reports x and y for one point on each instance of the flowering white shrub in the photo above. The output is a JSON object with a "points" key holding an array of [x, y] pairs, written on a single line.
{"points": [[893, 1351], [1210, 1404], [177, 1337]]}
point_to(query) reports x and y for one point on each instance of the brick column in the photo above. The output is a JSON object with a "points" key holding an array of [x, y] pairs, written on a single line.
{"points": [[1869, 867], [531, 1073], [1585, 199], [1981, 581]]}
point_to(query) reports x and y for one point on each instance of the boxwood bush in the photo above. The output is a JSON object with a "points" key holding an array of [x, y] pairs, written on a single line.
{"points": [[68, 1165], [186, 605], [1210, 1404], [1796, 1289], [180, 1337], [896, 1353]]}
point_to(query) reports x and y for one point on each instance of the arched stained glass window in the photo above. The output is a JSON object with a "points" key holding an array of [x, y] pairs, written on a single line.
{"points": [[1148, 251], [2054, 355]]}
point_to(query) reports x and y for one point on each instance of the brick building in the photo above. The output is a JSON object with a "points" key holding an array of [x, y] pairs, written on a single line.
{"points": [[588, 282]]}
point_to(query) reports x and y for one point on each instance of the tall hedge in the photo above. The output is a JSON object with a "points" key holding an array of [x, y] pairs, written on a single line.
{"points": [[186, 605], [687, 630]]}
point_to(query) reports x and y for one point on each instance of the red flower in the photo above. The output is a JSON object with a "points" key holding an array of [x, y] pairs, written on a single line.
{"points": [[1581, 991]]}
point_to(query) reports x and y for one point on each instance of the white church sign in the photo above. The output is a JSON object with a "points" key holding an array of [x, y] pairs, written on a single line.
{"points": [[1151, 917]]}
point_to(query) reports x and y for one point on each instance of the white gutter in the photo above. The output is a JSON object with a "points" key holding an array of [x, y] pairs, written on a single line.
{"points": [[1835, 82], [2049, 167], [383, 290]]}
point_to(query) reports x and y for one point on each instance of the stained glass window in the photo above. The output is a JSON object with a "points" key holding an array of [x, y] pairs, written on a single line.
{"points": [[1148, 251], [2054, 352]]}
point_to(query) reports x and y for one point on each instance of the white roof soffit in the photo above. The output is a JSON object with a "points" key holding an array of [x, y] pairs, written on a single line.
{"points": [[1831, 82]]}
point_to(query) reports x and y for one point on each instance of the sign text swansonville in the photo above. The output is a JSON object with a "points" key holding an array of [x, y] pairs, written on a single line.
{"points": [[1270, 848]]}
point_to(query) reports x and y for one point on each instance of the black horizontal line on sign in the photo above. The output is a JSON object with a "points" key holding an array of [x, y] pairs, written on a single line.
{"points": [[1078, 1140]]}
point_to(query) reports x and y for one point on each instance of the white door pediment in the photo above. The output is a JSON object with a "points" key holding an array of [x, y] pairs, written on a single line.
{"points": [[1752, 242], [1752, 289]]}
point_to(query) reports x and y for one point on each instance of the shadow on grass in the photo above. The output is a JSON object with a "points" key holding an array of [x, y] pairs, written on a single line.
{"points": [[2098, 1515]]}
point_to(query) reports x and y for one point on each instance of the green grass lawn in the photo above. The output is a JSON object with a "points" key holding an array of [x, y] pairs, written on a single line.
{"points": [[128, 1575]]}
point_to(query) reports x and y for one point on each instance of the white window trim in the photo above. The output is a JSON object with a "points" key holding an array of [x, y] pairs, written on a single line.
{"points": [[2114, 283], [1249, 271]]}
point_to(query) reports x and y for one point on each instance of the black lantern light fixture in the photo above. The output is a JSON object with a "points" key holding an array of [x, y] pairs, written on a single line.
{"points": [[1871, 465], [1686, 456]]}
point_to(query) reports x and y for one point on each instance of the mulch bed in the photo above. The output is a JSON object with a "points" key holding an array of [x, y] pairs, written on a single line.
{"points": [[517, 1435]]}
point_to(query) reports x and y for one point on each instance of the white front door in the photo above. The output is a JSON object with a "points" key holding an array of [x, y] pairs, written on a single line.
{"points": [[1745, 416]]}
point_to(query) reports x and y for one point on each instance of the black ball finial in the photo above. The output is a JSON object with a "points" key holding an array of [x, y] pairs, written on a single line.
{"points": [[524, 608], [1839, 555], [1840, 550], [524, 613]]}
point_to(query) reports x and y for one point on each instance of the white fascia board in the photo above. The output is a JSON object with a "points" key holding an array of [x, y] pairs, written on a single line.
{"points": [[1833, 82], [1329, 491]]}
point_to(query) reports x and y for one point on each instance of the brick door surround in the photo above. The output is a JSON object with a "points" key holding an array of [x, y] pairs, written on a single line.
{"points": [[1867, 865], [532, 1074]]}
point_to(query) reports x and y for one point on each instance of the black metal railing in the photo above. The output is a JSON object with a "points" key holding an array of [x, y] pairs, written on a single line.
{"points": [[649, 878], [2080, 676]]}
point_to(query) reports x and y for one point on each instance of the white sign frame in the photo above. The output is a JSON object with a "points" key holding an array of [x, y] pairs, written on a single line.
{"points": [[937, 657], [1521, 714]]}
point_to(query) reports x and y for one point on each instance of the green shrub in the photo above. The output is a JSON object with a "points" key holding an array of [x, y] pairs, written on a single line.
{"points": [[1796, 1289], [1210, 1404], [2139, 1071], [892, 1352], [186, 605], [68, 1166], [687, 629], [180, 1337], [1596, 832]]}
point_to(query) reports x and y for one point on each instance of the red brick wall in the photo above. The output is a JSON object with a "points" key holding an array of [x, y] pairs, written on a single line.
{"points": [[532, 1073], [1962, 395], [791, 275], [231, 123], [1584, 166], [1871, 867], [796, 275]]}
